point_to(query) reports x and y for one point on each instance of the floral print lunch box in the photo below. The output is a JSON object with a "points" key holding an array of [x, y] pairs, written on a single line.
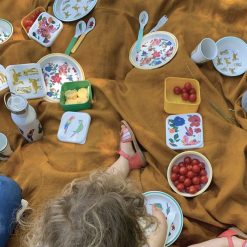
{"points": [[45, 29]]}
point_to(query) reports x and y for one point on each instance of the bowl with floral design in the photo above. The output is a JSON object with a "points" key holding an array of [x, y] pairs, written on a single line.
{"points": [[189, 173], [6, 30]]}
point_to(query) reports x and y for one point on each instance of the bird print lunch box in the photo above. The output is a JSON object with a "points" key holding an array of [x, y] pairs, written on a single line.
{"points": [[74, 127]]}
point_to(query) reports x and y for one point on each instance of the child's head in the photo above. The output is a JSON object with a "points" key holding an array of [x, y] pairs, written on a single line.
{"points": [[98, 212]]}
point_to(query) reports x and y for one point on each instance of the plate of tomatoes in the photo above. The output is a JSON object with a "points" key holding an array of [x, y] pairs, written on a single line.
{"points": [[189, 173], [30, 18]]}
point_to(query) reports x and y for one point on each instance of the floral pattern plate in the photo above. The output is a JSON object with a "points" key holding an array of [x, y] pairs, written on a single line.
{"points": [[6, 30], [232, 56], [168, 204], [3, 78], [157, 49], [184, 131], [58, 68], [74, 127], [45, 29], [72, 10]]}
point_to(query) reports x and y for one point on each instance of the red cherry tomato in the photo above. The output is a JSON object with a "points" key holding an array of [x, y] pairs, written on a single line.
{"points": [[175, 169], [197, 187], [196, 168], [180, 187], [196, 180], [184, 90], [27, 22], [203, 173], [176, 182], [202, 165], [181, 178], [185, 96], [189, 167], [27, 28], [192, 97], [32, 17], [204, 179], [174, 177], [181, 164], [192, 189], [177, 90], [188, 86], [190, 174], [187, 182], [183, 170], [187, 160], [195, 162], [192, 91]]}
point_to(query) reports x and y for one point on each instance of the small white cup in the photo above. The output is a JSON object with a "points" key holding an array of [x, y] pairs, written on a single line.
{"points": [[5, 149], [205, 51]]}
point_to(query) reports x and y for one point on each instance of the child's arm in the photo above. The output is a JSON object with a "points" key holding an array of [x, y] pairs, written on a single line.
{"points": [[158, 237]]}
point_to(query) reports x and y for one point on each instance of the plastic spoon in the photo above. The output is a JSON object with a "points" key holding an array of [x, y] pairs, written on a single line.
{"points": [[170, 219], [80, 28], [143, 19], [90, 26], [160, 23]]}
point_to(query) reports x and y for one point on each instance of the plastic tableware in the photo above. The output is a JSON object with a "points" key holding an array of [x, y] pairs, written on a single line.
{"points": [[184, 131], [157, 49], [6, 30], [231, 59], [170, 218], [57, 69], [72, 10], [193, 155], [26, 80], [143, 19], [160, 23], [168, 205], [3, 78], [74, 127], [80, 28], [90, 26]]}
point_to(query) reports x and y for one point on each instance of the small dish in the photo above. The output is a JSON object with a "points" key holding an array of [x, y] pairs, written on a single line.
{"points": [[180, 159], [232, 56], [57, 69], [74, 127], [45, 29], [26, 80], [6, 31], [174, 104], [72, 10], [168, 205], [76, 85], [157, 49], [3, 78], [28, 20], [184, 131]]}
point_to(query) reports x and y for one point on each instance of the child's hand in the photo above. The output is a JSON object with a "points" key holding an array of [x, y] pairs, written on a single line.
{"points": [[158, 237]]}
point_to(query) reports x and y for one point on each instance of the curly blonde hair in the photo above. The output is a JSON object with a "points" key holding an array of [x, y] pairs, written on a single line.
{"points": [[98, 212]]}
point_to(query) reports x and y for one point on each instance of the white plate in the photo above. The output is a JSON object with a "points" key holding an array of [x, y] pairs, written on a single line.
{"points": [[6, 30], [26, 80], [184, 131], [232, 56], [157, 49], [72, 10], [3, 78], [168, 204], [57, 69], [74, 127]]}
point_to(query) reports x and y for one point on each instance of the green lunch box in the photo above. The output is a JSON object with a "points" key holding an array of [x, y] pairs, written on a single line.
{"points": [[76, 85]]}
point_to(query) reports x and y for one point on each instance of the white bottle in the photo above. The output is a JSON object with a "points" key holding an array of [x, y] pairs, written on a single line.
{"points": [[25, 117]]}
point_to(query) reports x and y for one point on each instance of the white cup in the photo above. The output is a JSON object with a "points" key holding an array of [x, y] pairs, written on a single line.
{"points": [[5, 149], [205, 51]]}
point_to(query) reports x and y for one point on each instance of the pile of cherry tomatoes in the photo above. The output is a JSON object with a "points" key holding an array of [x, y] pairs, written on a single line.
{"points": [[188, 92], [30, 19], [189, 175]]}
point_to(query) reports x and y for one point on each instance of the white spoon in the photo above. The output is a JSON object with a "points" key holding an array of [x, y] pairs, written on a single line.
{"points": [[143, 19], [160, 23], [90, 26]]}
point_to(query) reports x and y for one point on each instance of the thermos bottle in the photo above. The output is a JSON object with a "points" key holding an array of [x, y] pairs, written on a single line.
{"points": [[24, 116]]}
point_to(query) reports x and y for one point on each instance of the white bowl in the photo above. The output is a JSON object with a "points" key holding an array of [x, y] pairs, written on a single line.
{"points": [[6, 30], [231, 59], [194, 155]]}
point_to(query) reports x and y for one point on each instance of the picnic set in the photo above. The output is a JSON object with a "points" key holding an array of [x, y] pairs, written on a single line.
{"points": [[59, 78]]}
